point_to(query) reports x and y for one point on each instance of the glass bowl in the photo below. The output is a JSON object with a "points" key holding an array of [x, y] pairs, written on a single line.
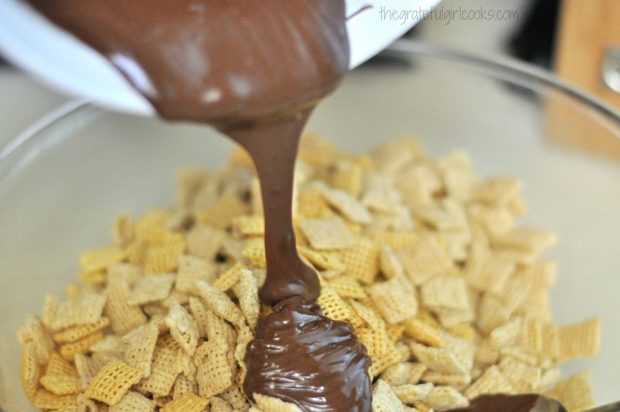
{"points": [[64, 180]]}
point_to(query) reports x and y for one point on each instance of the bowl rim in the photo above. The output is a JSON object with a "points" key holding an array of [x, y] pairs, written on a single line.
{"points": [[495, 65]]}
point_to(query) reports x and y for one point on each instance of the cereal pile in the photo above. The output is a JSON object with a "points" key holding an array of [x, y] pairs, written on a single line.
{"points": [[424, 259]]}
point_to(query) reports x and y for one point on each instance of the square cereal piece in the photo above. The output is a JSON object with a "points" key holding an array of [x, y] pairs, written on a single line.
{"points": [[495, 221], [462, 349], [162, 258], [229, 277], [151, 288], [218, 328], [575, 392], [465, 331], [316, 151], [244, 337], [59, 366], [497, 191], [150, 225], [35, 331], [236, 397], [409, 393], [392, 156], [457, 174], [519, 373], [541, 273], [492, 313], [133, 402], [184, 385], [380, 195], [218, 404], [164, 370], [50, 308], [457, 381], [491, 275], [77, 332], [139, 345], [515, 291], [68, 350], [310, 204], [333, 305], [87, 367], [183, 328], [98, 259], [112, 382], [375, 340], [123, 317], [424, 332], [390, 357], [199, 312], [346, 205], [327, 234], [490, 382], [347, 176], [384, 399], [419, 183], [505, 335], [549, 379], [246, 291], [122, 230], [439, 359], [186, 403], [254, 253], [395, 332], [445, 398], [82, 309], [214, 375], [219, 303], [205, 241], [347, 287], [323, 260], [362, 260], [397, 240], [221, 212], [29, 371], [580, 340], [417, 371], [127, 271], [424, 259], [269, 404], [526, 239], [47, 400], [368, 314], [192, 269], [389, 263], [61, 384], [189, 181], [539, 338], [397, 374], [395, 299], [249, 225], [441, 293]]}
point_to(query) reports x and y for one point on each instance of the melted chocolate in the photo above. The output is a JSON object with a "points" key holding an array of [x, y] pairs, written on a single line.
{"points": [[254, 70], [519, 403], [309, 360]]}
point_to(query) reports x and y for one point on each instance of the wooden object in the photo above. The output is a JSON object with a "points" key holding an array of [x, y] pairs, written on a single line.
{"points": [[588, 28]]}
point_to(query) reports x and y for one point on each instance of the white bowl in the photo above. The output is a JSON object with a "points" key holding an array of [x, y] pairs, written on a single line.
{"points": [[65, 63]]}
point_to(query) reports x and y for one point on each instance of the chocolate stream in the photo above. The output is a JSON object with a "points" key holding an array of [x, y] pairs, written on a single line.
{"points": [[254, 70]]}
